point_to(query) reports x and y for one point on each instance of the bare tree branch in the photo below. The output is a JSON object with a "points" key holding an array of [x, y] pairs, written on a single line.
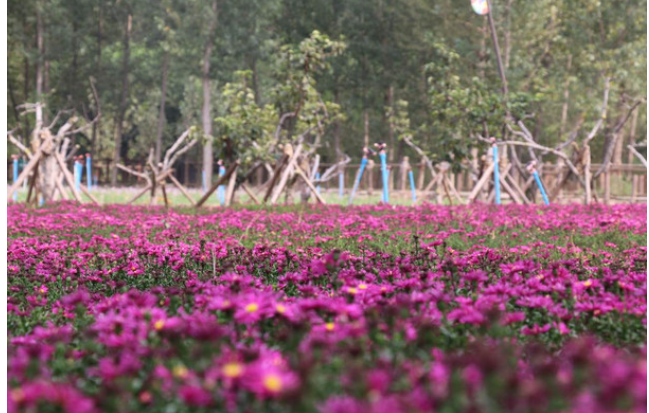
{"points": [[638, 155], [133, 172], [174, 147]]}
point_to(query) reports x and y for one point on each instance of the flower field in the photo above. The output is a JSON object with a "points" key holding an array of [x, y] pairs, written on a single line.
{"points": [[332, 310]]}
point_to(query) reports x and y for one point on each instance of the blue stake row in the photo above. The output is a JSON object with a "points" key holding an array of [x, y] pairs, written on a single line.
{"points": [[358, 180]]}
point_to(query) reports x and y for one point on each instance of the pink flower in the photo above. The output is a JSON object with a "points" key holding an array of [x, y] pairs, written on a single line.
{"points": [[195, 396]]}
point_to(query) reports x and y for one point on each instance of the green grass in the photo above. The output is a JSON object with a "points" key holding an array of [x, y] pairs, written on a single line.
{"points": [[123, 195]]}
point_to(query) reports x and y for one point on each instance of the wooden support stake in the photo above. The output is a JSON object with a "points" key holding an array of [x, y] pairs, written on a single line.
{"points": [[289, 168], [181, 188], [59, 186], [455, 192], [139, 194], [153, 186], [308, 183], [587, 180], [164, 195], [444, 184], [510, 191], [160, 178], [68, 177], [229, 193], [85, 190], [486, 175], [514, 185], [250, 194], [274, 177], [33, 161], [527, 184], [218, 182], [32, 185]]}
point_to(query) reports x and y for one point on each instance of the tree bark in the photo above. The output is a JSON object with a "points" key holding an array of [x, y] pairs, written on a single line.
{"points": [[161, 116], [39, 67], [366, 117], [123, 101], [337, 125], [390, 103], [632, 131], [26, 76], [208, 157], [566, 97], [508, 43], [96, 126]]}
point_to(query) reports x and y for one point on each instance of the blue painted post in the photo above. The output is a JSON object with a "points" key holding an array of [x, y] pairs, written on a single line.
{"points": [[317, 178], [412, 186], [221, 190], [15, 176], [496, 173], [341, 184], [88, 171], [22, 166], [540, 185], [358, 180], [77, 177], [384, 172]]}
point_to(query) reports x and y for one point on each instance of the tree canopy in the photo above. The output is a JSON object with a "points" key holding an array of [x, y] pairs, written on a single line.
{"points": [[425, 68]]}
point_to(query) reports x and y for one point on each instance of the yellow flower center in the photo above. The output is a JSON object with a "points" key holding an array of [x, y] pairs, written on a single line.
{"points": [[280, 308], [42, 290], [232, 370], [588, 283], [252, 307], [352, 290], [362, 286], [273, 383], [159, 324], [330, 326], [180, 372]]}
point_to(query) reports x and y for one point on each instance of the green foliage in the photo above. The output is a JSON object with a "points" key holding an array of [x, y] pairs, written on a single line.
{"points": [[437, 56]]}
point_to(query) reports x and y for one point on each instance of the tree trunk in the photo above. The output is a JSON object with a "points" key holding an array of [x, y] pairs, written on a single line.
{"points": [[566, 97], [337, 126], [39, 67], [366, 117], [26, 76], [14, 103], [208, 157], [161, 116], [96, 126], [587, 175], [255, 80], [123, 101], [632, 130], [390, 103], [508, 31]]}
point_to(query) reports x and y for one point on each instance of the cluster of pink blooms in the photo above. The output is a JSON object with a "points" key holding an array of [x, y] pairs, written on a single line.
{"points": [[370, 309]]}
